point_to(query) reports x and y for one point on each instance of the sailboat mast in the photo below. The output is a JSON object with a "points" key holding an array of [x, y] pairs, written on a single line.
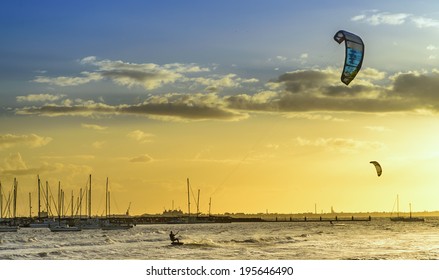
{"points": [[210, 204], [39, 197], [80, 203], [71, 202], [30, 205], [47, 198], [1, 201], [59, 203], [15, 198], [188, 199], [106, 199], [198, 203], [89, 200], [397, 205]]}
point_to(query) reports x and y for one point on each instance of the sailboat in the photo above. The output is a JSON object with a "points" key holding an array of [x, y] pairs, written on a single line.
{"points": [[10, 225], [107, 224], [62, 227], [405, 219]]}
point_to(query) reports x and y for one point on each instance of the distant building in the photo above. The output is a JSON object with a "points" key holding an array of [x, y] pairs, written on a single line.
{"points": [[172, 213]]}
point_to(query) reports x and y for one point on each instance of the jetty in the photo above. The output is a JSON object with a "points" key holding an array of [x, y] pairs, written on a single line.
{"points": [[326, 219]]}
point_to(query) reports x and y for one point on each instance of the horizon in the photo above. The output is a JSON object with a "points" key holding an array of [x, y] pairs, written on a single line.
{"points": [[244, 98]]}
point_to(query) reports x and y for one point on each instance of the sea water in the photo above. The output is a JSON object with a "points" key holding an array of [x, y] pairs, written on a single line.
{"points": [[379, 239]]}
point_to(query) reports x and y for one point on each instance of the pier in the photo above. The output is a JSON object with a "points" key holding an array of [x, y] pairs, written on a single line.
{"points": [[159, 219], [325, 219]]}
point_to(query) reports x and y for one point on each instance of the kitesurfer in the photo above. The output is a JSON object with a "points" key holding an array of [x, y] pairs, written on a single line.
{"points": [[173, 238]]}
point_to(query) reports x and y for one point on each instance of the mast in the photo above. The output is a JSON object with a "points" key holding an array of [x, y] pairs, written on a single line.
{"points": [[106, 199], [410, 205], [210, 204], [109, 208], [80, 203], [198, 203], [39, 198], [15, 198], [188, 199], [397, 205], [59, 203], [63, 204], [72, 203], [30, 205], [89, 200], [47, 199], [1, 201]]}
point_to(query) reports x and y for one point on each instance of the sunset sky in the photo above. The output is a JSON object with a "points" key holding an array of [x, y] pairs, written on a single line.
{"points": [[244, 98]]}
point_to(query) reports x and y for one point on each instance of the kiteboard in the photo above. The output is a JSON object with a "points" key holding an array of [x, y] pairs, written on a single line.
{"points": [[177, 243]]}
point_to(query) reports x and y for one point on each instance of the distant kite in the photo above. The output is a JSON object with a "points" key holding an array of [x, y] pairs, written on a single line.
{"points": [[377, 167], [354, 54]]}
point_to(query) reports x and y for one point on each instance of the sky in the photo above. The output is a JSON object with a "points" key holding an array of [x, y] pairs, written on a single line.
{"points": [[244, 98]]}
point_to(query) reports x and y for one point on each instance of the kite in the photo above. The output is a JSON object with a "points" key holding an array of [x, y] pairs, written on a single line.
{"points": [[354, 54], [377, 167]]}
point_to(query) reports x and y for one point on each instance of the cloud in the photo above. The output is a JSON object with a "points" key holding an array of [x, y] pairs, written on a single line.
{"points": [[377, 128], [141, 136], [382, 18], [292, 94], [313, 116], [385, 18], [169, 107], [344, 145], [44, 97], [149, 76], [31, 140], [15, 161], [14, 165], [320, 90], [422, 22], [142, 158], [63, 81], [94, 126], [217, 82], [98, 144]]}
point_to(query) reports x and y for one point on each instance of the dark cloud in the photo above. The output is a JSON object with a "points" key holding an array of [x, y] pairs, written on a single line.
{"points": [[178, 106], [300, 81], [299, 91], [316, 90], [417, 86], [182, 111]]}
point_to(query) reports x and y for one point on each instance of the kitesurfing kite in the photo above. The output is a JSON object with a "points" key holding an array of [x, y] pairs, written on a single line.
{"points": [[354, 54], [377, 167]]}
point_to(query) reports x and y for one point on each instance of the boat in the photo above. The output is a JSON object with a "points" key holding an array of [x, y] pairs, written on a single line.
{"points": [[45, 223], [7, 228], [64, 228], [9, 225], [405, 219], [93, 223], [108, 224]]}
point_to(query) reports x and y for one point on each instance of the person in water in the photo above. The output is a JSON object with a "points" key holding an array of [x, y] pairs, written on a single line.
{"points": [[173, 238]]}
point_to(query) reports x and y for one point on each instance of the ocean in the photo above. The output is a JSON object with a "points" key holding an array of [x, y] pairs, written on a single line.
{"points": [[379, 239]]}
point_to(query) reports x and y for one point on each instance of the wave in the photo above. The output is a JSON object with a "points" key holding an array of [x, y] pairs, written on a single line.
{"points": [[265, 240]]}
